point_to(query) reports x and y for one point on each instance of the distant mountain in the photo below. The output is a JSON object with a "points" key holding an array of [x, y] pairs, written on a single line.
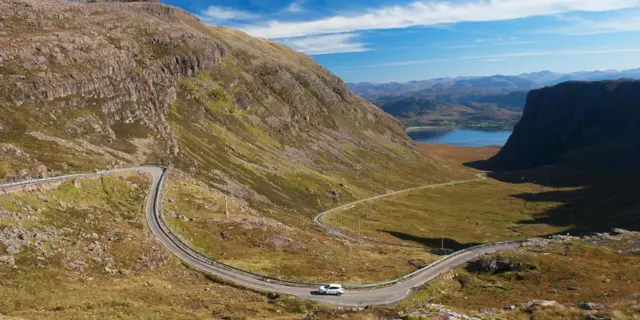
{"points": [[489, 108], [493, 102], [590, 124], [523, 81]]}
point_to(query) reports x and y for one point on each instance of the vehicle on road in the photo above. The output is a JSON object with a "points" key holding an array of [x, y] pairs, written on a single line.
{"points": [[331, 289]]}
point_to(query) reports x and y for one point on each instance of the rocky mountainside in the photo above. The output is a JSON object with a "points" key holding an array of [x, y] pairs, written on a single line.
{"points": [[591, 124], [86, 85]]}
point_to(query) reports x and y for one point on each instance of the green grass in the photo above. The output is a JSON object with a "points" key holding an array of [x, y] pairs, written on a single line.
{"points": [[249, 244], [159, 290], [469, 213]]}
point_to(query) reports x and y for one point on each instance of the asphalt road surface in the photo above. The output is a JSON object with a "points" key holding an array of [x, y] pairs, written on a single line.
{"points": [[379, 296]]}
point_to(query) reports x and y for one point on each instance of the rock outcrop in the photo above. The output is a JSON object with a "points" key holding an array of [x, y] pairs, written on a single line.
{"points": [[590, 124], [86, 85]]}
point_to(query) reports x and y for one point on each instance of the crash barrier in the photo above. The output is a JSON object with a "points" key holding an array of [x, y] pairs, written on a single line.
{"points": [[157, 214]]}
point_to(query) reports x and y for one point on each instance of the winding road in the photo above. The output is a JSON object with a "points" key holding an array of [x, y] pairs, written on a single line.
{"points": [[386, 293], [339, 232]]}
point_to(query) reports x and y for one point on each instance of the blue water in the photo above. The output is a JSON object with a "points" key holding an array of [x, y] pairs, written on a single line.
{"points": [[463, 137]]}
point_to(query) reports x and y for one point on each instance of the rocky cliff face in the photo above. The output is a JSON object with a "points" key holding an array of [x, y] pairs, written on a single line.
{"points": [[93, 85], [589, 124]]}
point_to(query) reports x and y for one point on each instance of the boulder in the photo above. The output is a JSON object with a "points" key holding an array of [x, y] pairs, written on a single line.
{"points": [[540, 303], [127, 272], [590, 317], [489, 311], [592, 306], [7, 260]]}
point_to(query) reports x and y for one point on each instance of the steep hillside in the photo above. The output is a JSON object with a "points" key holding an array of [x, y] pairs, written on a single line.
{"points": [[95, 85], [594, 125]]}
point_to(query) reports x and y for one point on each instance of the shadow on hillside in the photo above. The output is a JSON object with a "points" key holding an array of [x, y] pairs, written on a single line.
{"points": [[436, 243], [588, 201]]}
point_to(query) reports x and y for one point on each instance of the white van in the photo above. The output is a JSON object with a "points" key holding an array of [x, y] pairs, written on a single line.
{"points": [[331, 289]]}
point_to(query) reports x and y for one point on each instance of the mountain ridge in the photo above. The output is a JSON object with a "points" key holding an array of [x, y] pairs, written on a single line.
{"points": [[529, 80], [106, 84]]}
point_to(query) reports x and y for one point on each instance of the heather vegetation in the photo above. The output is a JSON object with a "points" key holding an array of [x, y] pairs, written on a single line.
{"points": [[249, 126]]}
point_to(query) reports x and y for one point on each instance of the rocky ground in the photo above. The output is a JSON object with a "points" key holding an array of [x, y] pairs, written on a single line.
{"points": [[594, 277]]}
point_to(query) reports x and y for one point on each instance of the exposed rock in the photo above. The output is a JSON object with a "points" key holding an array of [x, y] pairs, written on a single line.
{"points": [[624, 231], [489, 310], [590, 317], [633, 251], [436, 310], [280, 241], [273, 295], [76, 266], [540, 303], [77, 183], [497, 265], [7, 260], [592, 306], [40, 261], [127, 272], [14, 248], [510, 308], [579, 122], [184, 218]]}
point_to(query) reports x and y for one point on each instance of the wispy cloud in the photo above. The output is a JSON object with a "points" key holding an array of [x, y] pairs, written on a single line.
{"points": [[296, 7], [497, 42], [495, 59], [326, 44], [429, 13], [501, 57], [214, 14], [608, 24]]}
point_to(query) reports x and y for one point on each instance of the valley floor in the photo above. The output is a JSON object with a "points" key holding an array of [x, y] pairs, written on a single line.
{"points": [[82, 249]]}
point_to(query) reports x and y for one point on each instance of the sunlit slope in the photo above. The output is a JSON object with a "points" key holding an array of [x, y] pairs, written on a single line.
{"points": [[97, 85]]}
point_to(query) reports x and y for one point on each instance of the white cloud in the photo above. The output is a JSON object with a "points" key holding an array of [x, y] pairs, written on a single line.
{"points": [[503, 56], [296, 7], [326, 44], [216, 13], [489, 44], [428, 13], [495, 59], [611, 24]]}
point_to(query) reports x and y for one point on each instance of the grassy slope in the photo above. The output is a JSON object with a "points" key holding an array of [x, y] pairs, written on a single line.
{"points": [[513, 205], [161, 287], [294, 249], [250, 118], [476, 212], [557, 268]]}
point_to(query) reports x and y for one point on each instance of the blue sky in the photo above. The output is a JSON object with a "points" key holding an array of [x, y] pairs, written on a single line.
{"points": [[399, 40]]}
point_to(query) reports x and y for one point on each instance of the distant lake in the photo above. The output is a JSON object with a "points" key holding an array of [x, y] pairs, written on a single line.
{"points": [[463, 137]]}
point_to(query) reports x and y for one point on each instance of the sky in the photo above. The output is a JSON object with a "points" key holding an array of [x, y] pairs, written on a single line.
{"points": [[399, 40]]}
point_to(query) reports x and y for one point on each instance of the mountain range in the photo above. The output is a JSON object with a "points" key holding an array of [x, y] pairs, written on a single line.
{"points": [[493, 102], [525, 81]]}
